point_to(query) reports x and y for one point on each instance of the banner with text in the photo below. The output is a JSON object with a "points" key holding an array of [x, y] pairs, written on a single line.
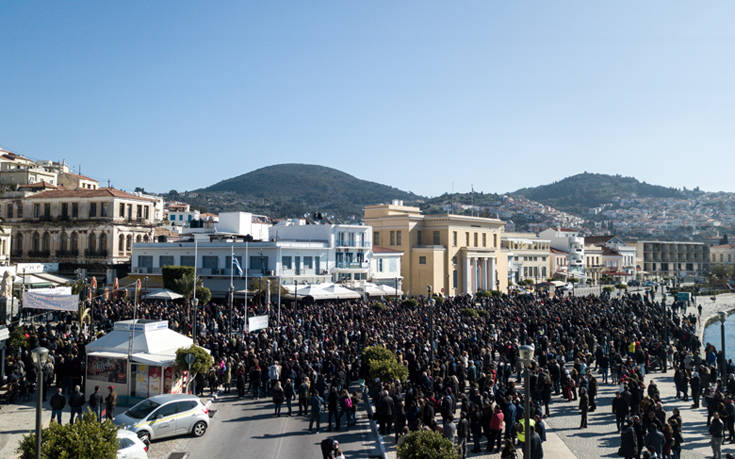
{"points": [[33, 300], [257, 323]]}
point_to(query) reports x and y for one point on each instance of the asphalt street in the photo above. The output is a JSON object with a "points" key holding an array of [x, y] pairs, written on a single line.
{"points": [[248, 428]]}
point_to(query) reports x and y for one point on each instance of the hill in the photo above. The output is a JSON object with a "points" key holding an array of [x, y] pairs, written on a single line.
{"points": [[287, 190], [578, 193]]}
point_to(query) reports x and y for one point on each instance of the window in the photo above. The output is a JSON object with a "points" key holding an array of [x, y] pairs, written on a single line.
{"points": [[47, 210], [435, 238], [286, 262], [64, 210], [183, 406], [392, 238], [122, 210], [398, 238], [316, 265], [495, 241], [475, 239], [376, 238], [121, 243], [92, 209], [256, 263], [36, 210], [74, 210], [147, 212], [187, 260], [210, 262], [484, 240], [297, 264], [454, 280], [165, 260], [181, 217], [10, 211], [144, 261], [454, 240], [418, 237], [173, 218], [422, 260], [380, 265], [308, 262], [139, 211], [130, 211], [129, 242], [92, 243], [103, 209], [467, 239], [20, 210]]}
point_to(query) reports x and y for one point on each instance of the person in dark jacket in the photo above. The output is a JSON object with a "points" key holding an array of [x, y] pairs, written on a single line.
{"points": [[463, 433], [620, 408], [628, 441], [95, 402], [288, 393], [316, 410], [278, 396], [717, 430], [537, 449], [400, 420], [110, 403], [58, 402], [384, 412], [655, 440], [583, 407], [76, 402]]}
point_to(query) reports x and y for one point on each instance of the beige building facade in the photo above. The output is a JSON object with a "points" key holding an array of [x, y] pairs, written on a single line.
{"points": [[453, 254], [90, 229], [723, 254]]}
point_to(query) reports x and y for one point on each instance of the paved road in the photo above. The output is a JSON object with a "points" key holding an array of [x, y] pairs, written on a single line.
{"points": [[247, 428]]}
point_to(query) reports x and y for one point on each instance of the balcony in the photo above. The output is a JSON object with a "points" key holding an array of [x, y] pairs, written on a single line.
{"points": [[353, 265], [39, 254], [67, 253], [342, 244], [95, 253]]}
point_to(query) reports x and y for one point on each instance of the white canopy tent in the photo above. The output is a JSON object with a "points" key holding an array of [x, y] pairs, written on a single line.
{"points": [[163, 294], [153, 353], [326, 291]]}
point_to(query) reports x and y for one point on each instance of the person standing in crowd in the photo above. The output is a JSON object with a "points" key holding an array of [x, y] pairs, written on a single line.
{"points": [[110, 403], [96, 400], [58, 402], [277, 394], [288, 393], [316, 411], [583, 407], [628, 441], [76, 402], [717, 431]]}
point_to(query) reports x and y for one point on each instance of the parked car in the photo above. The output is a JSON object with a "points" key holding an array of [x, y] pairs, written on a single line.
{"points": [[130, 446], [165, 416]]}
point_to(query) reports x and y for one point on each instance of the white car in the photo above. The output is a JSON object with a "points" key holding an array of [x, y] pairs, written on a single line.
{"points": [[166, 415], [130, 446]]}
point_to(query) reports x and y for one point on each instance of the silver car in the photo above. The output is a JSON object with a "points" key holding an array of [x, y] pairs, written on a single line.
{"points": [[165, 416]]}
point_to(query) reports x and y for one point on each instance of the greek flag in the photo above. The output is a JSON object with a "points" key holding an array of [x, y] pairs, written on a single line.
{"points": [[236, 265]]}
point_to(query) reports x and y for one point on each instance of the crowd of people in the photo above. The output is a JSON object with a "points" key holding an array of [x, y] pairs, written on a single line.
{"points": [[464, 374]]}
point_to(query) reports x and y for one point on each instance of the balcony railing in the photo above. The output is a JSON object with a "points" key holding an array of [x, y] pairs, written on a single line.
{"points": [[355, 244], [95, 253], [67, 253], [39, 254], [353, 265]]}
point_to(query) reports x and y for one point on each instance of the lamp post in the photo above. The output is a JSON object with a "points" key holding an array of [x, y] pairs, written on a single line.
{"points": [[526, 355], [194, 303], [39, 356], [723, 316], [231, 298], [430, 302]]}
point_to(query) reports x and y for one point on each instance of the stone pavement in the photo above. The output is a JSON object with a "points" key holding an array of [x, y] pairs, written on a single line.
{"points": [[19, 419]]}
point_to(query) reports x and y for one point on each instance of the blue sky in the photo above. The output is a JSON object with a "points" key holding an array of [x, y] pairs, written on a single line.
{"points": [[424, 96]]}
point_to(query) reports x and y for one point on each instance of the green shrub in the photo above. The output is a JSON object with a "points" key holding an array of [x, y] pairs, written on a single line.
{"points": [[379, 307], [410, 303], [85, 439], [426, 444], [621, 286], [203, 295], [202, 360], [469, 312], [608, 289], [387, 370], [377, 353], [18, 337], [483, 294], [438, 298]]}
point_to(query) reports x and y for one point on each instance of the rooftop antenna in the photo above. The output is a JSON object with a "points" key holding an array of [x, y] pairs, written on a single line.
{"points": [[108, 183]]}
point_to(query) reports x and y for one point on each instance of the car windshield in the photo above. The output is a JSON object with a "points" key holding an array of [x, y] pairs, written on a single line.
{"points": [[142, 409]]}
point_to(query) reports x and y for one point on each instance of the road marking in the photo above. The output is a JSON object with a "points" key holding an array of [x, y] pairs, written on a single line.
{"points": [[277, 452]]}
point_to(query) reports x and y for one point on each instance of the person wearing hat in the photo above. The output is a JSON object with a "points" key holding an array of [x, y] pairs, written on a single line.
{"points": [[110, 403]]}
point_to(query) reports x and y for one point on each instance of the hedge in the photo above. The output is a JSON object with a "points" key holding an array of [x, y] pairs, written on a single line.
{"points": [[85, 439], [426, 444]]}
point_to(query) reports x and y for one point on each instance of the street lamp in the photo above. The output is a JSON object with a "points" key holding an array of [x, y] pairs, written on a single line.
{"points": [[723, 316], [526, 356], [39, 356]]}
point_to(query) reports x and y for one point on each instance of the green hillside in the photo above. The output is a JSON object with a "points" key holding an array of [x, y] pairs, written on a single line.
{"points": [[580, 192]]}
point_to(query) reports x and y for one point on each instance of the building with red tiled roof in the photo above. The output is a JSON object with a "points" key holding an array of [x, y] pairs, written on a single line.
{"points": [[73, 181], [93, 229]]}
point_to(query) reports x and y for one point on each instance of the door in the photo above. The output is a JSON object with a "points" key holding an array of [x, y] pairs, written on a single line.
{"points": [[163, 421], [185, 418]]}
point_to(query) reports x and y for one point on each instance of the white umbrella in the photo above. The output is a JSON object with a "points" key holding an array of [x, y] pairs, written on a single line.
{"points": [[338, 292], [163, 294]]}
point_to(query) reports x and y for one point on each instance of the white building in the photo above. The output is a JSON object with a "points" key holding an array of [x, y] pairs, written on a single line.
{"points": [[180, 214], [385, 267], [528, 257], [569, 241], [242, 224]]}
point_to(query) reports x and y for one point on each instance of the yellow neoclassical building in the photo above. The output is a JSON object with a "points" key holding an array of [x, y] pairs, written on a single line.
{"points": [[455, 254]]}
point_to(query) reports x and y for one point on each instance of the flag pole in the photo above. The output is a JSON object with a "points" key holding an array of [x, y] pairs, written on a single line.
{"points": [[247, 265]]}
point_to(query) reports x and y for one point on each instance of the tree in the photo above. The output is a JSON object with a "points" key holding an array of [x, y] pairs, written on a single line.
{"points": [[203, 295], [201, 364], [85, 439], [426, 444], [382, 364]]}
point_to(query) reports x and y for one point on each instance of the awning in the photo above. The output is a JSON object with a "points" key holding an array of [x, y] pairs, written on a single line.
{"points": [[40, 280], [163, 294]]}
